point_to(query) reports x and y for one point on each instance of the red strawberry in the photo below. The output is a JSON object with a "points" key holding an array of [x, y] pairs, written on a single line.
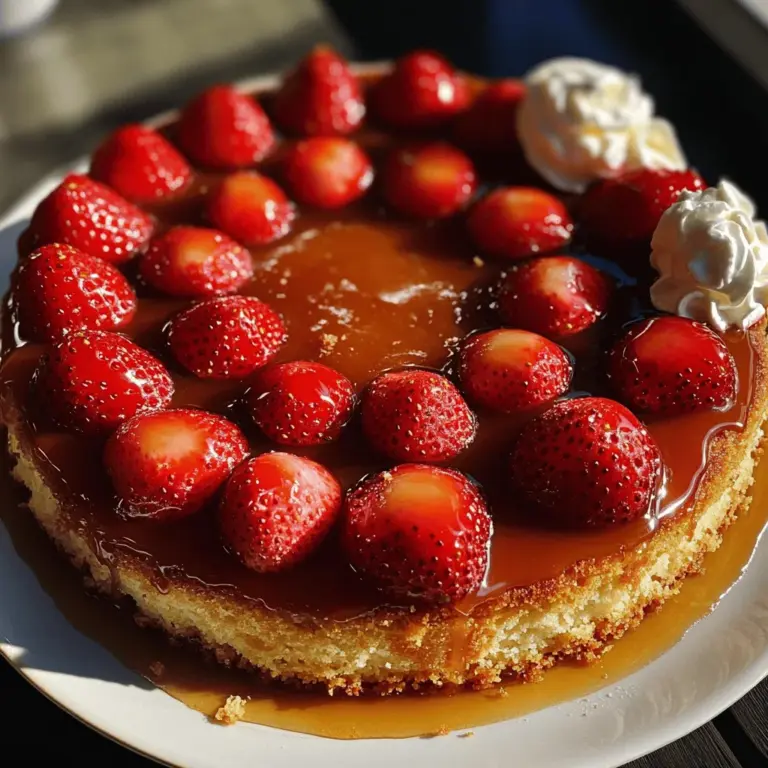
{"points": [[276, 509], [140, 164], [83, 213], [328, 172], [251, 208], [321, 97], [672, 365], [489, 126], [195, 262], [223, 128], [423, 90], [93, 381], [515, 222], [614, 211], [430, 181], [168, 464], [418, 532], [226, 338], [59, 289], [301, 403], [553, 296], [509, 370], [416, 415], [586, 463]]}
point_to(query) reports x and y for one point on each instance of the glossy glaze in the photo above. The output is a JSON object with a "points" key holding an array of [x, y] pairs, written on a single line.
{"points": [[364, 292], [205, 686]]}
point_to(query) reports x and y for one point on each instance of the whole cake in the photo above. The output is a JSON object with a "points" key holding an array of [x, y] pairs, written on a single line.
{"points": [[444, 382]]}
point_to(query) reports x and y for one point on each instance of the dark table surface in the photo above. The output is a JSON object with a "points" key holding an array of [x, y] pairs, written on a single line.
{"points": [[98, 63]]}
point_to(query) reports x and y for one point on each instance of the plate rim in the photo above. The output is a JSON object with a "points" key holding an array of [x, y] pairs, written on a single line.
{"points": [[615, 755]]}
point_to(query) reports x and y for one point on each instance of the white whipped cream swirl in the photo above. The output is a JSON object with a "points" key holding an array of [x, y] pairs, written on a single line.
{"points": [[581, 120], [712, 258]]}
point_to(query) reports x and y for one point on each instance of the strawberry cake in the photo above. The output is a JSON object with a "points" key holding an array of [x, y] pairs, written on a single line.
{"points": [[390, 380]]}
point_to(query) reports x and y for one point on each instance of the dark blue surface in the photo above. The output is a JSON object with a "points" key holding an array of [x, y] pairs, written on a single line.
{"points": [[721, 114]]}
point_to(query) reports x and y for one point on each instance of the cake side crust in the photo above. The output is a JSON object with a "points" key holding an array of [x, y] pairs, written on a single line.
{"points": [[519, 633], [580, 619]]}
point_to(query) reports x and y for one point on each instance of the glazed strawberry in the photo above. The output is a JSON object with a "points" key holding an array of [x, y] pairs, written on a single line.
{"points": [[93, 381], [614, 211], [300, 403], [553, 295], [428, 181], [223, 128], [59, 289], [586, 463], [195, 262], [511, 370], [418, 532], [83, 213], [515, 222], [168, 464], [416, 415], [140, 164], [328, 172], [489, 126], [276, 509], [321, 97], [251, 208], [423, 90], [672, 365], [226, 338]]}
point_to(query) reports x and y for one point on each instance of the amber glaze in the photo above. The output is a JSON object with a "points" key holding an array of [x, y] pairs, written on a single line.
{"points": [[205, 687], [363, 292]]}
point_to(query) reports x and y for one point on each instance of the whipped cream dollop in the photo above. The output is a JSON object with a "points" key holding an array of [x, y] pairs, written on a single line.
{"points": [[581, 120], [712, 257]]}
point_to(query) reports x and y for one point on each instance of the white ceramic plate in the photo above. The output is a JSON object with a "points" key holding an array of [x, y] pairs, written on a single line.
{"points": [[718, 661]]}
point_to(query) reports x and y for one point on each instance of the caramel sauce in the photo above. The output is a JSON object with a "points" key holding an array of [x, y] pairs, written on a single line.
{"points": [[205, 686], [363, 292]]}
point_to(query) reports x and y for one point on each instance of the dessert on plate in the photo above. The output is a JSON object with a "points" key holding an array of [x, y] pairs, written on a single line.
{"points": [[382, 380]]}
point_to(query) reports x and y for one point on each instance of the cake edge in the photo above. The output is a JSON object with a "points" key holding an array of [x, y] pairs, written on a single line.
{"points": [[578, 615]]}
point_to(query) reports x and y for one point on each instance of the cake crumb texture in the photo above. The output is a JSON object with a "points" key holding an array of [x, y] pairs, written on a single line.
{"points": [[516, 635], [232, 712]]}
